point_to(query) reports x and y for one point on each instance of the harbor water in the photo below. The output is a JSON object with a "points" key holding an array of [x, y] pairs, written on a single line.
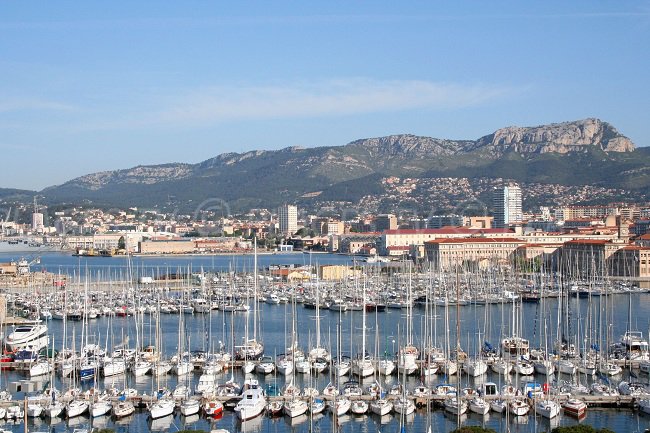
{"points": [[341, 332]]}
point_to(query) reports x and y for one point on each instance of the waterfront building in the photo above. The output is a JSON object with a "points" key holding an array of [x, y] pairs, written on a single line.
{"points": [[402, 241], [337, 272], [631, 261], [354, 243], [167, 246], [447, 254], [507, 206]]}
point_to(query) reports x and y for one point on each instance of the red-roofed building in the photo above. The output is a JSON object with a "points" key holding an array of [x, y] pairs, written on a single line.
{"points": [[392, 241], [446, 254], [631, 261]]}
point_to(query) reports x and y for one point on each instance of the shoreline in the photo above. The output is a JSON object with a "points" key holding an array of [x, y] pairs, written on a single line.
{"points": [[219, 254]]}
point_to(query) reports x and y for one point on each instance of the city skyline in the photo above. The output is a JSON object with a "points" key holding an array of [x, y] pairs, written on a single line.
{"points": [[87, 88]]}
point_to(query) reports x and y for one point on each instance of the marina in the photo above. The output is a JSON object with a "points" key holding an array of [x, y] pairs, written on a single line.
{"points": [[182, 355]]}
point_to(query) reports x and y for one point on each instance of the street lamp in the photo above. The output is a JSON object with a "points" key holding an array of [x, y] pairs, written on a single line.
{"points": [[392, 339]]}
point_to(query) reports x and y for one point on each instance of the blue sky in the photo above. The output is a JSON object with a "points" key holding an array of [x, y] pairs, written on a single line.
{"points": [[91, 86]]}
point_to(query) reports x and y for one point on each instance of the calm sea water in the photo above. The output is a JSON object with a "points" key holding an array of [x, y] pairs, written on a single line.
{"points": [[112, 267], [385, 332]]}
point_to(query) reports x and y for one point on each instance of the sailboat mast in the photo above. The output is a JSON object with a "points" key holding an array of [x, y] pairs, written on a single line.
{"points": [[363, 320], [254, 290], [317, 312]]}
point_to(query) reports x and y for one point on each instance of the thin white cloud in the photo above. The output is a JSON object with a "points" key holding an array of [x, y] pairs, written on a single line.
{"points": [[8, 106], [331, 98]]}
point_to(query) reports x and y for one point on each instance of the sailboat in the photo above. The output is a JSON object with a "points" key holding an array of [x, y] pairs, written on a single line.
{"points": [[164, 406], [408, 355], [318, 356], [362, 365], [252, 349]]}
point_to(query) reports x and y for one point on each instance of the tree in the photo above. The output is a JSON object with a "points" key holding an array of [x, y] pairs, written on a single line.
{"points": [[473, 429], [580, 429], [121, 244]]}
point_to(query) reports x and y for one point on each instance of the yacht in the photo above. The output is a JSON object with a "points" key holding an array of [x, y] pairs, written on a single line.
{"points": [[28, 336], [253, 401]]}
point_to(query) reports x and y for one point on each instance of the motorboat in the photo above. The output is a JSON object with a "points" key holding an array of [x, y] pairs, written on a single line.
{"points": [[253, 401], [213, 408], [27, 336], [575, 407]]}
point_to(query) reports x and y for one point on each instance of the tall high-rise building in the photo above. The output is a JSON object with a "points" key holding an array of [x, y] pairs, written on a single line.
{"points": [[507, 206], [288, 219], [385, 222], [37, 219]]}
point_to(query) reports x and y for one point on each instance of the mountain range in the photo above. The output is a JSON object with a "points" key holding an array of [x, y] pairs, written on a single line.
{"points": [[583, 152]]}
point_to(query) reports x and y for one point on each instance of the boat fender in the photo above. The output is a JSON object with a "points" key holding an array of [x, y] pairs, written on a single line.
{"points": [[545, 388]]}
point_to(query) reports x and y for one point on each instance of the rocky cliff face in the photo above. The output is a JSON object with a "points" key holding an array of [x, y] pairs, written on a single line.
{"points": [[400, 154], [558, 138], [137, 175]]}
